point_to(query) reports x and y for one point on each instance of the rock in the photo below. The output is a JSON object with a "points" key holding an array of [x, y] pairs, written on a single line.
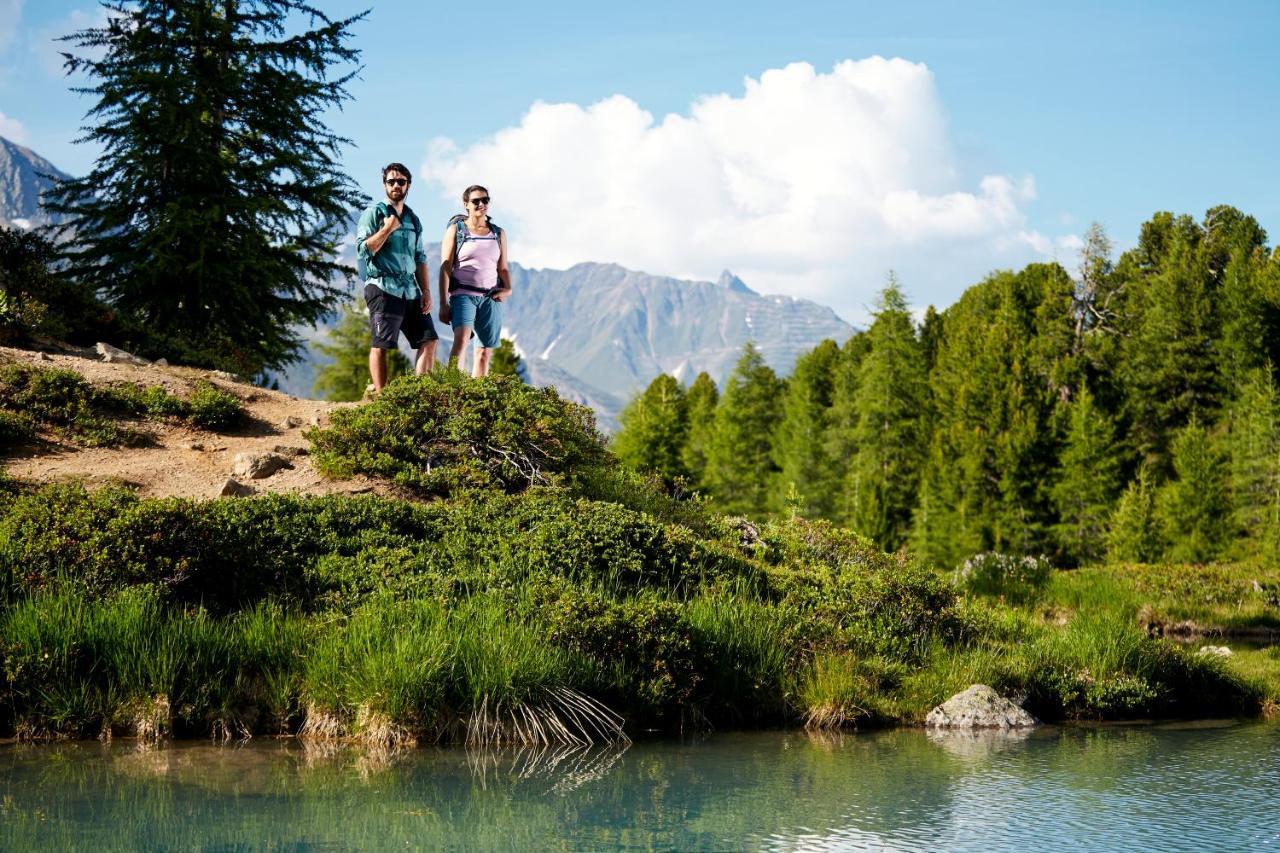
{"points": [[748, 535], [115, 354], [162, 362], [291, 422], [44, 356], [193, 445], [315, 420], [979, 707], [257, 466], [290, 452], [233, 488], [224, 375], [1215, 651]]}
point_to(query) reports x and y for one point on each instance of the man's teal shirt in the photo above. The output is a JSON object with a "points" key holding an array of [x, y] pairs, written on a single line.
{"points": [[392, 267]]}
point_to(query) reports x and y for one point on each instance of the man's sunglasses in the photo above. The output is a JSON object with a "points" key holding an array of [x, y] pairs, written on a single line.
{"points": [[397, 182], [479, 201]]}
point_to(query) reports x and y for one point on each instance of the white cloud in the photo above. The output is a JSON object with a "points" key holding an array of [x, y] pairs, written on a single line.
{"points": [[808, 184], [13, 130]]}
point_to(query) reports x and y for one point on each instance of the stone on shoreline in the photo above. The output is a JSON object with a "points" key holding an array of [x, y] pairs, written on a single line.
{"points": [[979, 707]]}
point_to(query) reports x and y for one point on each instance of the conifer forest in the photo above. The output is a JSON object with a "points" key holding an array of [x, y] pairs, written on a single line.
{"points": [[1123, 411]]}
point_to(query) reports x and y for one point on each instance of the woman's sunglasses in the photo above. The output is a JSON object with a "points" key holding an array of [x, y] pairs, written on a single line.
{"points": [[479, 201]]}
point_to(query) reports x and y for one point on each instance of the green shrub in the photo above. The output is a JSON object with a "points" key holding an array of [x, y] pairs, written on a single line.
{"points": [[213, 409], [443, 433], [641, 647], [1015, 578], [62, 400], [15, 428]]}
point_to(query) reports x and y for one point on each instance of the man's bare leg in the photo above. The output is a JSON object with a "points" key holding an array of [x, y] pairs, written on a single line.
{"points": [[482, 362], [426, 358], [458, 354], [378, 367]]}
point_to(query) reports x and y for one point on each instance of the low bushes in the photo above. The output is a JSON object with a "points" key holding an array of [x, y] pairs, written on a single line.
{"points": [[443, 433], [63, 401], [492, 617]]}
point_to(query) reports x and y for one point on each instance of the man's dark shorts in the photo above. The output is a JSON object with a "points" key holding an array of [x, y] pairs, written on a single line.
{"points": [[390, 315]]}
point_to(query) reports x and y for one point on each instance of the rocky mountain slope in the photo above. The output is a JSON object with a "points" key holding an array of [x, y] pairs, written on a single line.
{"points": [[24, 175], [600, 332]]}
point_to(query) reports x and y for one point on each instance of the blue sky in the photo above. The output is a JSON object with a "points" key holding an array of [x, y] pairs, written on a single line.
{"points": [[1007, 129]]}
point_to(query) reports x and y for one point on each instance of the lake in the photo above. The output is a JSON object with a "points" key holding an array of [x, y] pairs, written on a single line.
{"points": [[1192, 786]]}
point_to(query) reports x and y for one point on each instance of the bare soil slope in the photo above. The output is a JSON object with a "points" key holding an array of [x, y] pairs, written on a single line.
{"points": [[180, 460]]}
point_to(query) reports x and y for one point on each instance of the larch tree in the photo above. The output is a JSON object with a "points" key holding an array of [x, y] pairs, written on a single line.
{"points": [[654, 430], [212, 216], [740, 468], [889, 435], [799, 447], [346, 376], [1087, 481], [701, 401]]}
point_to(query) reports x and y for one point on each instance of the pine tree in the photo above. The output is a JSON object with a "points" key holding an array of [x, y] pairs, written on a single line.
{"points": [[1253, 447], [701, 401], [842, 421], [655, 429], [1135, 530], [1169, 370], [507, 362], [799, 446], [346, 376], [889, 436], [1087, 480], [740, 468], [211, 219], [996, 381], [1193, 508]]}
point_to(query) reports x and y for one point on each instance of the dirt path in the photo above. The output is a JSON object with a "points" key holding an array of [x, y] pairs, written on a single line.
{"points": [[180, 460]]}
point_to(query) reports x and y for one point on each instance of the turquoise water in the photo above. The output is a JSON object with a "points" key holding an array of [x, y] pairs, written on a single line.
{"points": [[1172, 787]]}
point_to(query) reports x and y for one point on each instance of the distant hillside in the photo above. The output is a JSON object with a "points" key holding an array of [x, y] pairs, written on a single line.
{"points": [[24, 175], [600, 332]]}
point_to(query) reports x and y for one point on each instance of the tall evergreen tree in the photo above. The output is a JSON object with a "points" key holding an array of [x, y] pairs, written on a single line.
{"points": [[1253, 447], [1193, 507], [889, 436], [996, 382], [740, 468], [345, 377], [701, 401], [842, 420], [211, 219], [799, 443], [655, 429], [1087, 481], [1135, 530]]}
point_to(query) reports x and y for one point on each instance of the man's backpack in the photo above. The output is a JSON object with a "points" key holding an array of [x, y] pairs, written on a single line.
{"points": [[460, 233]]}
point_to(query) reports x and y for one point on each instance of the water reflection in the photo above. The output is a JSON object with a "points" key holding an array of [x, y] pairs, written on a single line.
{"points": [[1108, 788]]}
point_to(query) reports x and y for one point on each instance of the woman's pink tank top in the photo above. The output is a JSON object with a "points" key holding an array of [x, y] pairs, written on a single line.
{"points": [[475, 270]]}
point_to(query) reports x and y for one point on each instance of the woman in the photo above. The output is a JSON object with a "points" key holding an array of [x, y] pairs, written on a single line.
{"points": [[474, 279]]}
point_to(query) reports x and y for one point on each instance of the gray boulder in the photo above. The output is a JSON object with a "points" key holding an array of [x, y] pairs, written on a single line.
{"points": [[233, 488], [257, 466], [979, 707], [117, 355]]}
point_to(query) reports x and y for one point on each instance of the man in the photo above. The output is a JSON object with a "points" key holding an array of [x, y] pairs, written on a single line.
{"points": [[389, 244], [474, 279]]}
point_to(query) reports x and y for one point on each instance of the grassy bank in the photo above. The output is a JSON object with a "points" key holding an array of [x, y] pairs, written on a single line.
{"points": [[530, 590]]}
